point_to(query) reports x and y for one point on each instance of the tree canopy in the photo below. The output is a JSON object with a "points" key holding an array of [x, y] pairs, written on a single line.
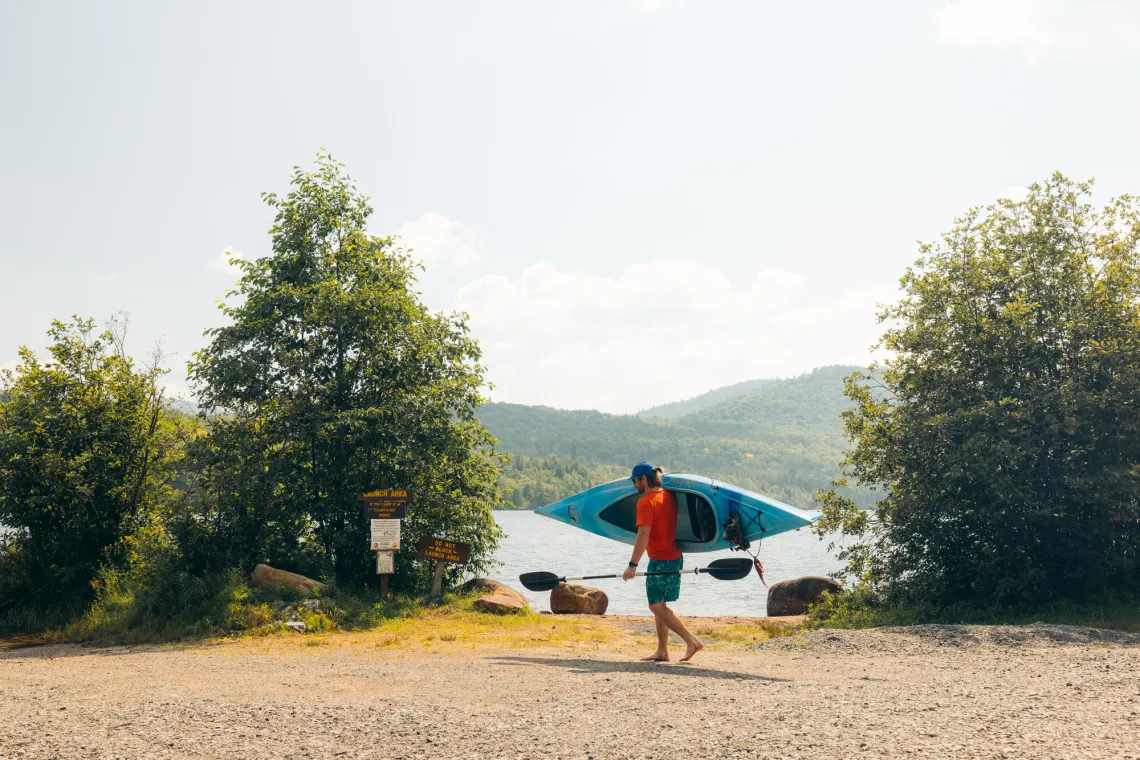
{"points": [[331, 378], [1005, 432]]}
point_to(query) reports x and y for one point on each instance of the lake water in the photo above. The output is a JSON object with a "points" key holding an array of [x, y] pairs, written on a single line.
{"points": [[534, 543]]}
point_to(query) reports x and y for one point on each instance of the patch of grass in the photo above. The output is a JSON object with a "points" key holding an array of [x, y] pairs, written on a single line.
{"points": [[225, 606], [462, 625], [746, 633]]}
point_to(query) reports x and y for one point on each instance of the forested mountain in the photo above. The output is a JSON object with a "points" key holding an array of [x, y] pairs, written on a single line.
{"points": [[783, 439], [810, 405], [679, 409]]}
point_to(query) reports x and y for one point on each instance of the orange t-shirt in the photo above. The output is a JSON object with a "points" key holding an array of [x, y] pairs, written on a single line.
{"points": [[658, 510]]}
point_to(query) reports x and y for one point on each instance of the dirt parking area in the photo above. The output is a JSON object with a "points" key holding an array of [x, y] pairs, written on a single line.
{"points": [[924, 692]]}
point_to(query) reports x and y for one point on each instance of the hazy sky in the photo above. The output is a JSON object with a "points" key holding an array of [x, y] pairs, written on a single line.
{"points": [[729, 185]]}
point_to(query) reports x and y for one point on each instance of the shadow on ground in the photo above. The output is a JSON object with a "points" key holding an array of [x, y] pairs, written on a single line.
{"points": [[21, 641], [581, 666], [17, 648]]}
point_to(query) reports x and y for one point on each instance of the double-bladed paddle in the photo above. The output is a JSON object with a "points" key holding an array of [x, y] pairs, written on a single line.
{"points": [[731, 569]]}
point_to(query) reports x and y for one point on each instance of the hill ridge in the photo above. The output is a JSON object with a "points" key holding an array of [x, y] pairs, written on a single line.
{"points": [[784, 440]]}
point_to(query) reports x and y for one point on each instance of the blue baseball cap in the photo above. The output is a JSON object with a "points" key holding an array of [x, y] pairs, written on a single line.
{"points": [[641, 468]]}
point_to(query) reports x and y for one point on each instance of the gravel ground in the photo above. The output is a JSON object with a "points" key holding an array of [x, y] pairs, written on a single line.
{"points": [[923, 692]]}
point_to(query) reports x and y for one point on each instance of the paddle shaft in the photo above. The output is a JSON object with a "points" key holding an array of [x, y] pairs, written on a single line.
{"points": [[721, 569], [694, 571]]}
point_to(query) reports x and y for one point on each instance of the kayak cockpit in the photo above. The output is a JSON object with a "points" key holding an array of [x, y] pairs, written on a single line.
{"points": [[696, 520]]}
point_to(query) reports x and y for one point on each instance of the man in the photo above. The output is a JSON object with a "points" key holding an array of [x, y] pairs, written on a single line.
{"points": [[657, 534]]}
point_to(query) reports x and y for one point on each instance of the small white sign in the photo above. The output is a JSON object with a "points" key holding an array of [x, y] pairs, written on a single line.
{"points": [[385, 562], [385, 535]]}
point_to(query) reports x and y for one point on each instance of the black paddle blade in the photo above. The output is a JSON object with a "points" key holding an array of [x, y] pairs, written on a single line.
{"points": [[730, 569], [539, 581]]}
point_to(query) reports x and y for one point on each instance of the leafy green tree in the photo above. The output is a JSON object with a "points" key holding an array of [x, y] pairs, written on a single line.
{"points": [[1005, 433], [87, 457], [331, 378]]}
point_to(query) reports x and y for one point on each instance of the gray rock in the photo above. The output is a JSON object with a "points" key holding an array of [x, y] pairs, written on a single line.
{"points": [[264, 575], [500, 604], [296, 625], [793, 597], [491, 588], [583, 600], [312, 604]]}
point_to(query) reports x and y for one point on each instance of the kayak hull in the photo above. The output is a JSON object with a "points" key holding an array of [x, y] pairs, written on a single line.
{"points": [[703, 509]]}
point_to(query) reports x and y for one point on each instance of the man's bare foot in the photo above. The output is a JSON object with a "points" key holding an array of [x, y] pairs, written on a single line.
{"points": [[657, 657], [692, 649]]}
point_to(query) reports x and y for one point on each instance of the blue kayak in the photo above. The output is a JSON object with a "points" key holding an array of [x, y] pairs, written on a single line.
{"points": [[704, 507]]}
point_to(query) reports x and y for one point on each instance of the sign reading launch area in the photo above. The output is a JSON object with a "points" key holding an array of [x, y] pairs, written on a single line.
{"points": [[385, 503]]}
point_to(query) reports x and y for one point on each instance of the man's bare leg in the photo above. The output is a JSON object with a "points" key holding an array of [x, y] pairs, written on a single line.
{"points": [[666, 615], [662, 653]]}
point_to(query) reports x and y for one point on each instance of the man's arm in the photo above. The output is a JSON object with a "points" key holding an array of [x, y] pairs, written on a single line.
{"points": [[638, 549]]}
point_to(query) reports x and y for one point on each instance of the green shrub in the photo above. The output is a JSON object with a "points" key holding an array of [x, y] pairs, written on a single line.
{"points": [[856, 608], [88, 453]]}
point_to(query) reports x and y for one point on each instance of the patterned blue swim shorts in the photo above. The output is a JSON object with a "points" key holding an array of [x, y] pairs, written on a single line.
{"points": [[663, 588]]}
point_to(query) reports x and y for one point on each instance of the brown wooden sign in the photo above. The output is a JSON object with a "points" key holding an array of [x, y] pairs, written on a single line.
{"points": [[441, 549], [385, 503]]}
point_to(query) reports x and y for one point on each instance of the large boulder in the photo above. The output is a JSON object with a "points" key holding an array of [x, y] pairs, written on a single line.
{"points": [[793, 597], [489, 587], [500, 604], [569, 598], [264, 575]]}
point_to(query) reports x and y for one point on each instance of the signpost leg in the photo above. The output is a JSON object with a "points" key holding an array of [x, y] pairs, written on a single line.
{"points": [[437, 582], [385, 564]]}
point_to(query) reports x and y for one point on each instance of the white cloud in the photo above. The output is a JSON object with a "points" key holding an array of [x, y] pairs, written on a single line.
{"points": [[1038, 29], [651, 6], [435, 239], [657, 332], [222, 261]]}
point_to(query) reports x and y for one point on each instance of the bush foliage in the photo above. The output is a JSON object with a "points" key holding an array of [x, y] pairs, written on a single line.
{"points": [[88, 456]]}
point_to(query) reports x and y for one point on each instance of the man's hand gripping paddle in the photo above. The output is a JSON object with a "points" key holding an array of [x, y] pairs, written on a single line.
{"points": [[722, 569]]}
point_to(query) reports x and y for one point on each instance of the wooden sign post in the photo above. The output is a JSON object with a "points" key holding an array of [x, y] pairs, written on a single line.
{"points": [[442, 550], [384, 508]]}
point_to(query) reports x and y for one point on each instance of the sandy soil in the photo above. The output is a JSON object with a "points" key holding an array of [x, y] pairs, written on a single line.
{"points": [[925, 692]]}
